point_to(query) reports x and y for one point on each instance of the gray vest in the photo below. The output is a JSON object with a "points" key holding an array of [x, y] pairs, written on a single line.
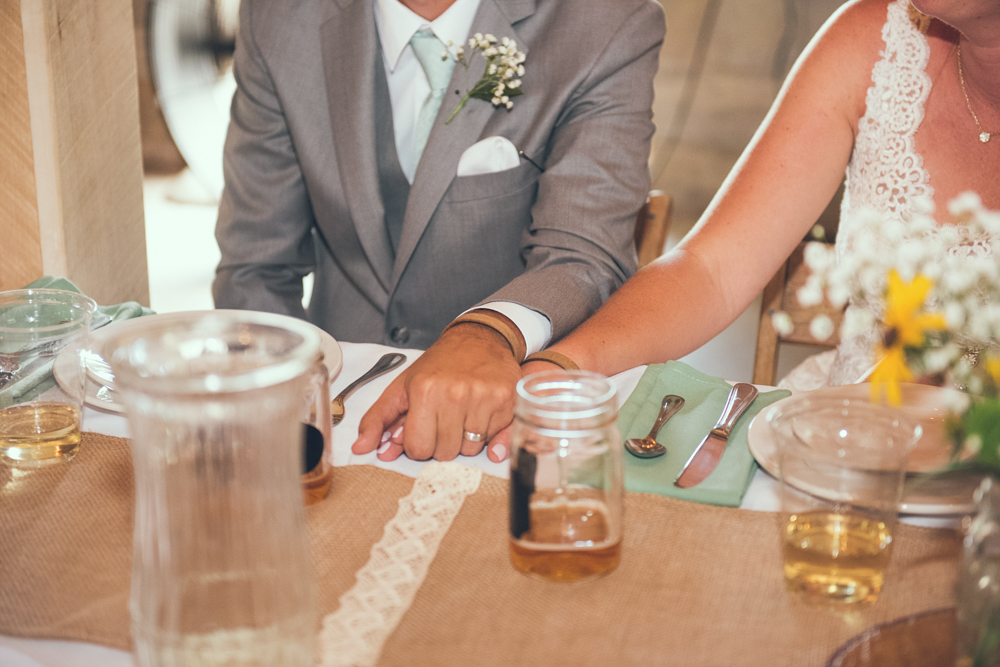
{"points": [[392, 182]]}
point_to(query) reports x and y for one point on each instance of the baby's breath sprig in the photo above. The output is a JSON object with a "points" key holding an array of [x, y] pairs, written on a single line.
{"points": [[501, 78], [932, 293]]}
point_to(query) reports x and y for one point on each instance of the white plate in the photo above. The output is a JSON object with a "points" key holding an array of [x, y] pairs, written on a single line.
{"points": [[946, 495], [100, 392]]}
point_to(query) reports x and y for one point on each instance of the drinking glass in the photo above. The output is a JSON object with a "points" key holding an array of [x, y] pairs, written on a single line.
{"points": [[566, 477], [978, 590], [842, 463], [317, 468], [40, 422], [221, 570]]}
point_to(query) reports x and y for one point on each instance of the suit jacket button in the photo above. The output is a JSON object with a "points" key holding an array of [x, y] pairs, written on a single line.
{"points": [[400, 335]]}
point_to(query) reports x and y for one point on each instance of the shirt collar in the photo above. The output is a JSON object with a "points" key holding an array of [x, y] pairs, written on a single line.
{"points": [[397, 23]]}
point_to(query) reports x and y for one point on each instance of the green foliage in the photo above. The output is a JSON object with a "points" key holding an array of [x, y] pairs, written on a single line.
{"points": [[978, 430]]}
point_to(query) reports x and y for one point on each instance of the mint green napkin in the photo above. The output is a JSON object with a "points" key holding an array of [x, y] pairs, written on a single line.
{"points": [[704, 397], [39, 379]]}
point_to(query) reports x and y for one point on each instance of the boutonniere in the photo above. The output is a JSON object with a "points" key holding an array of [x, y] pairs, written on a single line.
{"points": [[499, 82]]}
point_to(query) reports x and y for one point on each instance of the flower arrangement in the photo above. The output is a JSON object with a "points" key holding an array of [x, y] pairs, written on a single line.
{"points": [[932, 293], [501, 78]]}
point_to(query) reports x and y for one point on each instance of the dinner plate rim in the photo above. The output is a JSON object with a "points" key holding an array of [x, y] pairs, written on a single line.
{"points": [[764, 450], [332, 351]]}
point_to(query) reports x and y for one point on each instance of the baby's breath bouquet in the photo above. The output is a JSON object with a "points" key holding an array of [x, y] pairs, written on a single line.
{"points": [[932, 292], [501, 78]]}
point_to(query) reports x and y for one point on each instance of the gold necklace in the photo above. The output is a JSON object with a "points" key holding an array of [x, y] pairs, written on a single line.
{"points": [[984, 136]]}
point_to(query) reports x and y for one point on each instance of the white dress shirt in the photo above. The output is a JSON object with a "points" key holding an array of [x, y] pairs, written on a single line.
{"points": [[408, 88]]}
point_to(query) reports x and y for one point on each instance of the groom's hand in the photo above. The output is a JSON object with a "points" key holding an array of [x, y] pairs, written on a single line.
{"points": [[499, 448], [463, 383]]}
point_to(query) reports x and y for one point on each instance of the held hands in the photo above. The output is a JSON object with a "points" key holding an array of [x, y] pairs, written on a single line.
{"points": [[462, 386]]}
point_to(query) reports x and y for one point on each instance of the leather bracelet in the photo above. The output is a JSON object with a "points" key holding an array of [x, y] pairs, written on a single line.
{"points": [[499, 323], [560, 360]]}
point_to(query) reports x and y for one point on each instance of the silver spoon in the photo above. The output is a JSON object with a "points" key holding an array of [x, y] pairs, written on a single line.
{"points": [[107, 394], [648, 447], [383, 365]]}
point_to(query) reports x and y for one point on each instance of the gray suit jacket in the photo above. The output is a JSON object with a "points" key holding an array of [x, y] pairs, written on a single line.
{"points": [[302, 190]]}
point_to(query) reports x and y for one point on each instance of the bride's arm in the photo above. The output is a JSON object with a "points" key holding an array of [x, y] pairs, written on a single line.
{"points": [[768, 203]]}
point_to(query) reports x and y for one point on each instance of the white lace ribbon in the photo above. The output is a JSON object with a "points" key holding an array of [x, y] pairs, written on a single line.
{"points": [[353, 636]]}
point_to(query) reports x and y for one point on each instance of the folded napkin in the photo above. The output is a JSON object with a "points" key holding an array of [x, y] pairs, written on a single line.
{"points": [[39, 378], [704, 397]]}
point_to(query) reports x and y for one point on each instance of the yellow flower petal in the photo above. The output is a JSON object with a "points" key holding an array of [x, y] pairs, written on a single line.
{"points": [[993, 368], [902, 305], [889, 372]]}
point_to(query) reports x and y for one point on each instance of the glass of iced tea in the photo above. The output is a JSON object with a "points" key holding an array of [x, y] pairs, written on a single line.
{"points": [[39, 420], [566, 479], [842, 463], [317, 455]]}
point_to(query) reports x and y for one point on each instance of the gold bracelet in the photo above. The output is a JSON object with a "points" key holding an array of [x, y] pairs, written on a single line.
{"points": [[560, 360], [499, 323]]}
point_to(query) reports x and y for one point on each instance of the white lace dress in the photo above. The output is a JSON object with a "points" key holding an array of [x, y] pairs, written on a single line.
{"points": [[886, 174]]}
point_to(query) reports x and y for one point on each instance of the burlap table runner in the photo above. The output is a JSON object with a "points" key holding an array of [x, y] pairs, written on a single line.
{"points": [[698, 585]]}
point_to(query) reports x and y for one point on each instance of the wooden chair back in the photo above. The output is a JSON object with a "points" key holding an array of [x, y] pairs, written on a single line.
{"points": [[652, 226], [780, 294]]}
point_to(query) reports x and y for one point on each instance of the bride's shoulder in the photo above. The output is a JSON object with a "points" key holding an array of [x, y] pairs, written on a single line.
{"points": [[857, 26], [846, 49]]}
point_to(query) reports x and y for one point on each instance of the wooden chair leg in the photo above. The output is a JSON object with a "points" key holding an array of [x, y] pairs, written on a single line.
{"points": [[766, 357]]}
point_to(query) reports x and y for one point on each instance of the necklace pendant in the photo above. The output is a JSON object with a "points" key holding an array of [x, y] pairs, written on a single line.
{"points": [[984, 136]]}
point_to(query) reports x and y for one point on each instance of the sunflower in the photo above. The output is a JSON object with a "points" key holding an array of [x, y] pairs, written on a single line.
{"points": [[891, 370], [993, 368], [903, 326]]}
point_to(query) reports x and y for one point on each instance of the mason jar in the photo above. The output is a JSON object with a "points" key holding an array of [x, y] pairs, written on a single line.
{"points": [[566, 477]]}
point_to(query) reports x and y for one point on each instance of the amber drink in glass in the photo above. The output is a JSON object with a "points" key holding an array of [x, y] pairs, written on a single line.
{"points": [[40, 420], [842, 463], [566, 480], [317, 473]]}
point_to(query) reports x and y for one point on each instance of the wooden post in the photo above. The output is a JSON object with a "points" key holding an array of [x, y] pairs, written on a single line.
{"points": [[20, 246], [70, 154]]}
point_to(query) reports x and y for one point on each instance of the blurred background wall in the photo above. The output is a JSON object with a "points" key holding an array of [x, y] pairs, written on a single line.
{"points": [[721, 66]]}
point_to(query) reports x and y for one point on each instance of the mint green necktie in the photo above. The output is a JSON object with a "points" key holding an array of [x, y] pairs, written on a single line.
{"points": [[429, 49]]}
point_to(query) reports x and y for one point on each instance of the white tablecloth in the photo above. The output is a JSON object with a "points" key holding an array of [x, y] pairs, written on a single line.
{"points": [[358, 358]]}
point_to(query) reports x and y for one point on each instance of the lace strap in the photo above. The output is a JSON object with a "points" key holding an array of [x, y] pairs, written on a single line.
{"points": [[886, 173], [369, 612]]}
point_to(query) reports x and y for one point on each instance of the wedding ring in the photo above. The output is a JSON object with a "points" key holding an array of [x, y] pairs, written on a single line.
{"points": [[472, 437]]}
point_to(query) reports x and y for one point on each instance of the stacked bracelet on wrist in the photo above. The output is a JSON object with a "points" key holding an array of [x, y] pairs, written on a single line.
{"points": [[499, 323], [560, 360]]}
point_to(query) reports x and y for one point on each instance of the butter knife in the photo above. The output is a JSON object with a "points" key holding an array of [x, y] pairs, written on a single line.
{"points": [[706, 455]]}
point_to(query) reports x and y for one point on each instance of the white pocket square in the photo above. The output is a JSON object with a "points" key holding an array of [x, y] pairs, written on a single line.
{"points": [[488, 156]]}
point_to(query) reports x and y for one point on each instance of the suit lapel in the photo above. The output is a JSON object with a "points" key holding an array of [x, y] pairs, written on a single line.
{"points": [[350, 55], [446, 143]]}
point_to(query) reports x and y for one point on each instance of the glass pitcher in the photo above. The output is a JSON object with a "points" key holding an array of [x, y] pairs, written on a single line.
{"points": [[221, 570]]}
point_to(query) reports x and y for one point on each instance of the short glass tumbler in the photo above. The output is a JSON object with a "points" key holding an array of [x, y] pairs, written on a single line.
{"points": [[842, 464], [40, 421], [221, 570], [566, 477]]}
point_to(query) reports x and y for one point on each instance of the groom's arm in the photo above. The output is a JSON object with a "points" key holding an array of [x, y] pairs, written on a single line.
{"points": [[578, 249], [265, 220]]}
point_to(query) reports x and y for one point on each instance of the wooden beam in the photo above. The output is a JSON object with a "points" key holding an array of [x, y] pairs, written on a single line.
{"points": [[80, 64], [20, 245]]}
